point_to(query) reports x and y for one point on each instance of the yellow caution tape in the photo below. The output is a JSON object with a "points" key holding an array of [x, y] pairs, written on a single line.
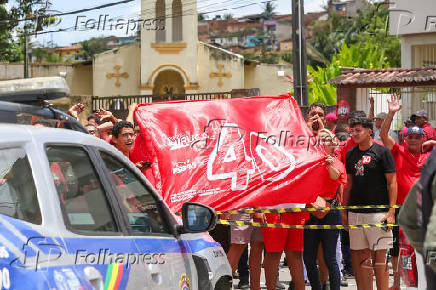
{"points": [[310, 209], [310, 227]]}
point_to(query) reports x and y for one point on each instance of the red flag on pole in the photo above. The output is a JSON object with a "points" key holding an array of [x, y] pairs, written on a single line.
{"points": [[232, 153]]}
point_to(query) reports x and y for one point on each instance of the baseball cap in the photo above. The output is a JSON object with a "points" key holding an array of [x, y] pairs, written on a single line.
{"points": [[415, 130], [408, 121], [381, 116], [422, 113], [331, 117]]}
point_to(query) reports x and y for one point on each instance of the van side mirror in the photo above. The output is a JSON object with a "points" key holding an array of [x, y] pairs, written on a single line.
{"points": [[197, 218]]}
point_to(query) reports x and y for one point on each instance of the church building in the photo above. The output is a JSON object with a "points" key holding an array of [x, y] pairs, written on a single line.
{"points": [[170, 60]]}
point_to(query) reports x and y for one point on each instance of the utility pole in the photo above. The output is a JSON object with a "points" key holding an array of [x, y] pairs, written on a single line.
{"points": [[299, 53], [26, 55]]}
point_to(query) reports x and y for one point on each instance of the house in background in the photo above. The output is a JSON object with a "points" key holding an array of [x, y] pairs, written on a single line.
{"points": [[347, 8], [416, 25], [69, 53], [118, 41]]}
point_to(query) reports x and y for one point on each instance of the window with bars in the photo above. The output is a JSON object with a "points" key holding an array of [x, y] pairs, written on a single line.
{"points": [[424, 55]]}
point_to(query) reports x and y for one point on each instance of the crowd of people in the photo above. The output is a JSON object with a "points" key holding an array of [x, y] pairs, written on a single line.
{"points": [[367, 164]]}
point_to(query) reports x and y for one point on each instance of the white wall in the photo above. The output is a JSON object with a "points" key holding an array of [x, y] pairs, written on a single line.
{"points": [[407, 43], [410, 17]]}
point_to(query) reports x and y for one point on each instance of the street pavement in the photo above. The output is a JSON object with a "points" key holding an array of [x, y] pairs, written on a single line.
{"points": [[285, 278]]}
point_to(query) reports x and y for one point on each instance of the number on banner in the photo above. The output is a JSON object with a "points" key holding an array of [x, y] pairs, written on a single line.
{"points": [[4, 253], [5, 281], [270, 157], [229, 159]]}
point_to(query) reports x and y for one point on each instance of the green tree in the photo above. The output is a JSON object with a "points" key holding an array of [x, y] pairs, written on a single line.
{"points": [[10, 51], [53, 57], [25, 17], [269, 9], [368, 55], [94, 46], [369, 26], [228, 16], [201, 16], [40, 53], [287, 56]]}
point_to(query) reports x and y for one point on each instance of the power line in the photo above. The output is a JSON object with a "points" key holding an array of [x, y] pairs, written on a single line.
{"points": [[73, 12], [167, 16]]}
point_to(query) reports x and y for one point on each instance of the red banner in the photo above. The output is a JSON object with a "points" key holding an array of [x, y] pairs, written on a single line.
{"points": [[231, 153]]}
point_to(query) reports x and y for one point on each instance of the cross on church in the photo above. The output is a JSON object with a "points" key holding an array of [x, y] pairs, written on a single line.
{"points": [[220, 75], [117, 75]]}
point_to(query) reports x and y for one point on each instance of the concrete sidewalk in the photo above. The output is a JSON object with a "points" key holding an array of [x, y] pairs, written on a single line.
{"points": [[285, 278]]}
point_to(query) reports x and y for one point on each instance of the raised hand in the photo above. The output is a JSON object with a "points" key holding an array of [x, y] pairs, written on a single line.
{"points": [[133, 107], [106, 116], [76, 110], [394, 105]]}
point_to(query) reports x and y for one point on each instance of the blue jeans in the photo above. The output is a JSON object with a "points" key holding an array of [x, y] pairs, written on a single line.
{"points": [[328, 239]]}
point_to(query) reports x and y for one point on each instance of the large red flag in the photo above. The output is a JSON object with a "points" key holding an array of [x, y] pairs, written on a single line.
{"points": [[232, 153]]}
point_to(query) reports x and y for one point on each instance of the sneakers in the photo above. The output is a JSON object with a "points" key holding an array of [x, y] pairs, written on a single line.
{"points": [[344, 282], [280, 285], [348, 274], [243, 285]]}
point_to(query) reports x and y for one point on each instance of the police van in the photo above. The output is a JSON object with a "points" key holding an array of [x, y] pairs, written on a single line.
{"points": [[75, 213]]}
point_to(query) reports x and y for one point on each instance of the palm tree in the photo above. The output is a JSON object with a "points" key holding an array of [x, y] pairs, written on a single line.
{"points": [[228, 16], [268, 9]]}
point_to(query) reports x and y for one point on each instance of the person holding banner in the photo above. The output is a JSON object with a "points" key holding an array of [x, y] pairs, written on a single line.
{"points": [[371, 177], [316, 117], [240, 236], [328, 238]]}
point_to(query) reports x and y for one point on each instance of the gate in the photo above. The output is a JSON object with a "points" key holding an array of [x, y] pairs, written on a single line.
{"points": [[119, 105]]}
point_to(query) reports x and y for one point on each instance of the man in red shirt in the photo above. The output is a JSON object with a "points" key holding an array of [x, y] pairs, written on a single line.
{"points": [[409, 159], [422, 122]]}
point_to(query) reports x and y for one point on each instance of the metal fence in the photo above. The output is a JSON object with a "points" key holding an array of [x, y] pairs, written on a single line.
{"points": [[119, 105], [412, 100]]}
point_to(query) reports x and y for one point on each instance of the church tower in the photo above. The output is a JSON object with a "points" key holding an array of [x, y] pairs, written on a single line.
{"points": [[169, 39]]}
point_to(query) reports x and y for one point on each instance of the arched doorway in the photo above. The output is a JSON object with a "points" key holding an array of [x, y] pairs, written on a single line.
{"points": [[168, 82]]}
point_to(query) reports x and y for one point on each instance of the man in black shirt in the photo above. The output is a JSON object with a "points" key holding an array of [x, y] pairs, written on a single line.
{"points": [[371, 181]]}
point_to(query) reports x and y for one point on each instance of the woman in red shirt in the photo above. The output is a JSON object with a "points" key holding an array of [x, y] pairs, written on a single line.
{"points": [[331, 193]]}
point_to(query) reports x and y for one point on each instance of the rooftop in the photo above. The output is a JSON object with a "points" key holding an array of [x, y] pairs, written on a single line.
{"points": [[388, 77]]}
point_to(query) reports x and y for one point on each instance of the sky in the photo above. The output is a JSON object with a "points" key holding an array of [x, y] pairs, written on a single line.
{"points": [[76, 23]]}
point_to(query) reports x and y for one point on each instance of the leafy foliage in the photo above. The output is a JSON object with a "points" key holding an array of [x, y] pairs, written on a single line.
{"points": [[10, 51], [268, 9], [94, 46], [369, 26], [361, 42], [368, 55]]}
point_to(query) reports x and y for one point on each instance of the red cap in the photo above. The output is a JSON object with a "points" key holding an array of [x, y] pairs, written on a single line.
{"points": [[331, 117]]}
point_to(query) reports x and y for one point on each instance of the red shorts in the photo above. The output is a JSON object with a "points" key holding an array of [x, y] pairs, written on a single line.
{"points": [[278, 239]]}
